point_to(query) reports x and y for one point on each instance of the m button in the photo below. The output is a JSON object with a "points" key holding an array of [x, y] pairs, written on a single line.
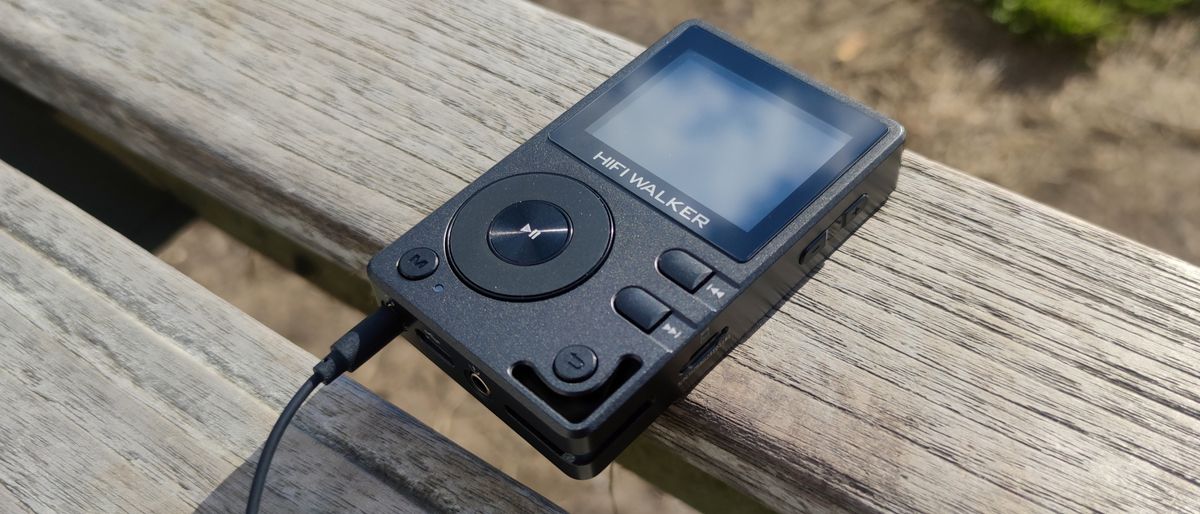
{"points": [[417, 263]]}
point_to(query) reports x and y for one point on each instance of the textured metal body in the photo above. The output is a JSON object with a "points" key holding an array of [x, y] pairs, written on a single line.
{"points": [[504, 351]]}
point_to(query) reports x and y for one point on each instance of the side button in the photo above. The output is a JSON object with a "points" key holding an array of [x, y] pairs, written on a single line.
{"points": [[853, 210], [814, 250], [683, 269], [640, 308]]}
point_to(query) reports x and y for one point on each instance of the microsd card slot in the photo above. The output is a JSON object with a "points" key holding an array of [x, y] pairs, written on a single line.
{"points": [[704, 351]]}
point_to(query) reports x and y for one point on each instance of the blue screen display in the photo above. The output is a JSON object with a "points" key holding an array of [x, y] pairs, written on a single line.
{"points": [[719, 138]]}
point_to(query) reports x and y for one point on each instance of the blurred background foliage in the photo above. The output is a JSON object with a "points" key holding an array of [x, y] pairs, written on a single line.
{"points": [[1103, 123], [1080, 20]]}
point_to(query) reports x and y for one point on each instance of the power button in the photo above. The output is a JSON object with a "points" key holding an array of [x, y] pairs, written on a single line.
{"points": [[575, 363]]}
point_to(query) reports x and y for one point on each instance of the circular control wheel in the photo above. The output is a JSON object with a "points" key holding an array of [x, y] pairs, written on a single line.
{"points": [[529, 237]]}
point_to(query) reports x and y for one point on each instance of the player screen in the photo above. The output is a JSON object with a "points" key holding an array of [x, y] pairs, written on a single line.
{"points": [[720, 140], [731, 145]]}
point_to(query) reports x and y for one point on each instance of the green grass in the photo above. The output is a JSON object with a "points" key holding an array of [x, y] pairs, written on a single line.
{"points": [[1080, 20]]}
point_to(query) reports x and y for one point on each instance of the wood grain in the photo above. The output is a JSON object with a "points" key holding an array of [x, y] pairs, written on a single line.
{"points": [[969, 350], [129, 388]]}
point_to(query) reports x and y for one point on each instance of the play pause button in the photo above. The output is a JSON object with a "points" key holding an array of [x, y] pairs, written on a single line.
{"points": [[529, 232]]}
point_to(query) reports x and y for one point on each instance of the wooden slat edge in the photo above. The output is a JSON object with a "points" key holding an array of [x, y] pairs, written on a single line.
{"points": [[357, 429]]}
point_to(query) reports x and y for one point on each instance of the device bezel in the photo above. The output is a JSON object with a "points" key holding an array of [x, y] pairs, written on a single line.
{"points": [[863, 129]]}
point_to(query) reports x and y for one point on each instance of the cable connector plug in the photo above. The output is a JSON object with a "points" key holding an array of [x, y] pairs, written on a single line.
{"points": [[363, 341], [347, 353]]}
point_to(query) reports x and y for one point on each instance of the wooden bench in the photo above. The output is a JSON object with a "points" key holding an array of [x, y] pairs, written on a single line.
{"points": [[128, 387], [968, 350]]}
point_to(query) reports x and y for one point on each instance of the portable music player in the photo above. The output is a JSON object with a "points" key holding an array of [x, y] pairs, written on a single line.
{"points": [[601, 269]]}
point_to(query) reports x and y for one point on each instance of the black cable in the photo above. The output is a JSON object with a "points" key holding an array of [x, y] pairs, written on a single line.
{"points": [[268, 451], [347, 353]]}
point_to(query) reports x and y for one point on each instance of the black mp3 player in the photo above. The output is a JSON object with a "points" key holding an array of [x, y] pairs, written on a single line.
{"points": [[601, 269]]}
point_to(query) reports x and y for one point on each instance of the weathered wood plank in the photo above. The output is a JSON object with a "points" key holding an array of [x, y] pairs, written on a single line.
{"points": [[129, 388], [968, 350]]}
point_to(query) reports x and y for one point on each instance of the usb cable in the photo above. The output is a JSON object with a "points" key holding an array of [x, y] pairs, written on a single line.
{"points": [[347, 353]]}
